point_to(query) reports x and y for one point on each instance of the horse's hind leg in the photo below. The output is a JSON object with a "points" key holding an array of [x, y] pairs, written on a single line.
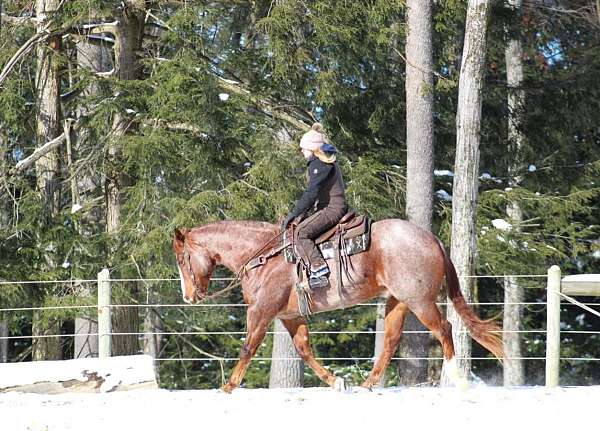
{"points": [[395, 313], [429, 314], [298, 330]]}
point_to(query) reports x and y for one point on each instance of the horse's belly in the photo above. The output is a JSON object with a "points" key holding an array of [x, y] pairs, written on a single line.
{"points": [[327, 299]]}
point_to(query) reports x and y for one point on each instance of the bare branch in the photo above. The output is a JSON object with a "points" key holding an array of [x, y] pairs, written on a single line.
{"points": [[155, 122], [98, 28], [39, 152], [23, 51], [296, 117], [18, 20]]}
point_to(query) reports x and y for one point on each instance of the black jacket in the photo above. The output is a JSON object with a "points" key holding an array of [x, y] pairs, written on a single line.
{"points": [[325, 188]]}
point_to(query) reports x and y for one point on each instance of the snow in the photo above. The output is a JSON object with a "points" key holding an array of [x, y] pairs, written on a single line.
{"points": [[124, 370], [489, 177], [108, 24], [501, 224], [443, 195], [75, 208], [443, 173], [421, 409]]}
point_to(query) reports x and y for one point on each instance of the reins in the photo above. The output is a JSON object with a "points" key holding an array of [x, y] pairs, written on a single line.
{"points": [[237, 280]]}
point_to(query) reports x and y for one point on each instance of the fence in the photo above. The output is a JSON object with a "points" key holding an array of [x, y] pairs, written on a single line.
{"points": [[557, 289]]}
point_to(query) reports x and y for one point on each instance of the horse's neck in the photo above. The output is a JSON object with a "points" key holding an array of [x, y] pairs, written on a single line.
{"points": [[232, 244]]}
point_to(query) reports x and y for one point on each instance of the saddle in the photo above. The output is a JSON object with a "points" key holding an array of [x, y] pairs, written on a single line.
{"points": [[350, 236]]}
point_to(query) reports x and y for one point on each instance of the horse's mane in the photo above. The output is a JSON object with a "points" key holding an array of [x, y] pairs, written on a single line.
{"points": [[232, 224], [244, 229]]}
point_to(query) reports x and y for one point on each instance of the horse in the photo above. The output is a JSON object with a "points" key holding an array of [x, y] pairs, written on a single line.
{"points": [[404, 263]]}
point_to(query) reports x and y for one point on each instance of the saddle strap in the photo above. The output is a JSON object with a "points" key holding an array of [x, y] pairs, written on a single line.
{"points": [[262, 259], [302, 292], [338, 266]]}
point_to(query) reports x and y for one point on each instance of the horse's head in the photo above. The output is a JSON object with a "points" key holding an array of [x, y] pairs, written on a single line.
{"points": [[195, 267]]}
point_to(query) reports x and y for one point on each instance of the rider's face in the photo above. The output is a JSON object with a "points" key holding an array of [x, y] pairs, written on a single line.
{"points": [[307, 153]]}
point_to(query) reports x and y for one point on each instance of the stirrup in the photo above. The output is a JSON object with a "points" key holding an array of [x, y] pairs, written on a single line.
{"points": [[320, 271], [318, 282]]}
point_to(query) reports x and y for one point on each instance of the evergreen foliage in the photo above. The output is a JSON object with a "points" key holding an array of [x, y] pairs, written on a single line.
{"points": [[206, 143]]}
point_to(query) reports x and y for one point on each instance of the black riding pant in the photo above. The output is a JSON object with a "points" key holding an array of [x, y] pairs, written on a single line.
{"points": [[310, 229]]}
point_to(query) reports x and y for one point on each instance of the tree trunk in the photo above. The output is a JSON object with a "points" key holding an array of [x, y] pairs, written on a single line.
{"points": [[3, 341], [466, 168], [514, 370], [285, 373], [128, 41], [47, 92], [153, 325], [86, 339], [4, 223], [45, 348], [419, 164], [92, 57]]}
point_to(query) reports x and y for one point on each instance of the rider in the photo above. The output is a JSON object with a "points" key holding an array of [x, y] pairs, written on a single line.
{"points": [[325, 193]]}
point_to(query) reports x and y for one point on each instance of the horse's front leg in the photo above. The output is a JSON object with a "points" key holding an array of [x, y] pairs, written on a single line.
{"points": [[257, 322]]}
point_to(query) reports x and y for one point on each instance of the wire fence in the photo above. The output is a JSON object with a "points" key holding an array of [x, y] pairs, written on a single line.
{"points": [[242, 333]]}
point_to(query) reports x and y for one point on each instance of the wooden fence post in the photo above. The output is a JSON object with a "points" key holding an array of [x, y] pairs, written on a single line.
{"points": [[553, 327], [104, 329]]}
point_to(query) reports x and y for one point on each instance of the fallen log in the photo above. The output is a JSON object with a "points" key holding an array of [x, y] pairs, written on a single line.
{"points": [[119, 373]]}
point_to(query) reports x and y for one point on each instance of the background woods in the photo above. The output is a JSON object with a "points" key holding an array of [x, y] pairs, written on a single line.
{"points": [[120, 121]]}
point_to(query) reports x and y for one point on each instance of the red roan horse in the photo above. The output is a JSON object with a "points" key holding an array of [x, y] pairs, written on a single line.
{"points": [[404, 264]]}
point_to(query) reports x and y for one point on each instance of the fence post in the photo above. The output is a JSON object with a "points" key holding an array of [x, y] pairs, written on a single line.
{"points": [[553, 327], [104, 329]]}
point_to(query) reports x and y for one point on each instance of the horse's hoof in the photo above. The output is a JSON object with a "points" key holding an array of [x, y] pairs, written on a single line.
{"points": [[339, 384], [227, 388], [367, 385]]}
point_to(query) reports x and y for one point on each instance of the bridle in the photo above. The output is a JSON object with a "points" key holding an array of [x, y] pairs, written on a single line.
{"points": [[187, 261], [237, 280]]}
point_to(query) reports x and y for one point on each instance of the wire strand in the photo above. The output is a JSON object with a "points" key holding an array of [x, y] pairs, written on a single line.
{"points": [[371, 359], [366, 304], [96, 334]]}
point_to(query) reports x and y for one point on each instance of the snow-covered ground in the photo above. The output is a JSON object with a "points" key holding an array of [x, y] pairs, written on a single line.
{"points": [[310, 409]]}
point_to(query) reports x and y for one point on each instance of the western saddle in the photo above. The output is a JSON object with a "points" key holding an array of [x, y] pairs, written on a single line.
{"points": [[350, 236]]}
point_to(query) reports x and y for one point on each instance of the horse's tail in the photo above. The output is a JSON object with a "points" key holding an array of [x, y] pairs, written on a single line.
{"points": [[485, 332]]}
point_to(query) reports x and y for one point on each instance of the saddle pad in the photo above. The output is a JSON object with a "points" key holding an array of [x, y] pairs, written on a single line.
{"points": [[354, 245], [356, 240]]}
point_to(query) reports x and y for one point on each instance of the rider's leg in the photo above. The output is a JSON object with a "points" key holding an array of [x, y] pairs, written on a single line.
{"points": [[308, 231]]}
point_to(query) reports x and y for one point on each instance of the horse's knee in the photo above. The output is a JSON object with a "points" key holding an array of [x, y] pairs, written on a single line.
{"points": [[246, 351]]}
